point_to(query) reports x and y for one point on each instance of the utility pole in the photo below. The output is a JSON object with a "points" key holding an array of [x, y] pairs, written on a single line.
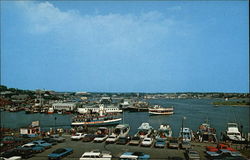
{"points": [[182, 128]]}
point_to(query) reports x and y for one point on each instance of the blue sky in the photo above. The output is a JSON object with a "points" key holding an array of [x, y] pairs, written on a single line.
{"points": [[143, 46]]}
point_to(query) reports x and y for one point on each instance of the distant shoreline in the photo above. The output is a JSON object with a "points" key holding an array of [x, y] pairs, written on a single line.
{"points": [[232, 103]]}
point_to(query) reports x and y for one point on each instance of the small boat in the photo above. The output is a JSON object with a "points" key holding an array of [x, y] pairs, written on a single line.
{"points": [[122, 130], [164, 132], [233, 134], [186, 134], [50, 111], [158, 110], [206, 133], [144, 130], [59, 112]]}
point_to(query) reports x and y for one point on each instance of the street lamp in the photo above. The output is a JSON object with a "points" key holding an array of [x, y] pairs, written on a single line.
{"points": [[55, 124], [182, 128]]}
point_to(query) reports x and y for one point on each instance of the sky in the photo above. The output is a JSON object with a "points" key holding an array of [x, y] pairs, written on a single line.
{"points": [[125, 46]]}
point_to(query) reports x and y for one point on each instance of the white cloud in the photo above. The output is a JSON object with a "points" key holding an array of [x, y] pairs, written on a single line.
{"points": [[116, 32]]}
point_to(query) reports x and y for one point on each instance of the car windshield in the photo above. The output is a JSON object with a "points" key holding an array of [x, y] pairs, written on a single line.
{"points": [[136, 138], [173, 141], [60, 150]]}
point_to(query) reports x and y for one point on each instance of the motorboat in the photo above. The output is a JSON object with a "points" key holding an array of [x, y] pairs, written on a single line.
{"points": [[233, 134], [206, 133], [186, 134], [122, 130], [144, 130], [164, 132]]}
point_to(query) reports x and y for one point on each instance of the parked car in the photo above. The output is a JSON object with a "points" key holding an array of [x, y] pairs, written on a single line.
{"points": [[112, 138], [100, 138], [173, 143], [78, 136], [95, 155], [24, 152], [185, 145], [222, 153], [147, 142], [42, 143], [134, 156], [160, 143], [50, 140], [192, 154], [58, 138], [88, 137], [136, 140], [10, 154], [60, 153], [123, 140], [35, 148]]}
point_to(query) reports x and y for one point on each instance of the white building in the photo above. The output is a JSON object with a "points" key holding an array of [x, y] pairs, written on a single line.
{"points": [[64, 106]]}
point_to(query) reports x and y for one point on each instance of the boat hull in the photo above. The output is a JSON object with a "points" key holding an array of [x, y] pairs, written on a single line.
{"points": [[162, 113], [98, 123]]}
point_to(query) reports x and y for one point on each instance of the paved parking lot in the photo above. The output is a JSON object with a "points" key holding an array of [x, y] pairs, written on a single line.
{"points": [[116, 150]]}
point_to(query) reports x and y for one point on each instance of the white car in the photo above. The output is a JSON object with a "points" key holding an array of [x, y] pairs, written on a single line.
{"points": [[78, 136], [147, 142], [100, 138], [112, 138], [96, 155]]}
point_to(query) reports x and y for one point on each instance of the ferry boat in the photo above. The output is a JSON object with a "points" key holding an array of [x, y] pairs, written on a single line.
{"points": [[233, 134], [144, 130], [97, 119], [122, 130], [186, 134], [158, 110], [96, 109], [206, 133], [164, 132]]}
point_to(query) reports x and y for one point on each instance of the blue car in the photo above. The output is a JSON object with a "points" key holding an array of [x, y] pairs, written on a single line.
{"points": [[30, 146], [42, 143], [60, 153], [134, 155], [160, 143]]}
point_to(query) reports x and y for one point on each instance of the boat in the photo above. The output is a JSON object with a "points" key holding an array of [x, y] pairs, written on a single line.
{"points": [[50, 111], [158, 110], [206, 133], [233, 134], [164, 132], [144, 130], [96, 119], [122, 130], [82, 120], [96, 109], [186, 134]]}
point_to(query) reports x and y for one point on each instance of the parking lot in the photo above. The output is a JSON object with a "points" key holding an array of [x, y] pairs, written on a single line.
{"points": [[116, 150]]}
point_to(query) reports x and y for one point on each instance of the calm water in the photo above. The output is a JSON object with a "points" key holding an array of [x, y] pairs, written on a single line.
{"points": [[196, 112]]}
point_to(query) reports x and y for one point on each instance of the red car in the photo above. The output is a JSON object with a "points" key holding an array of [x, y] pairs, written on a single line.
{"points": [[219, 146]]}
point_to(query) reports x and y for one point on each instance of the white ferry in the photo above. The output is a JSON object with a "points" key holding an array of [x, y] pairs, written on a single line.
{"points": [[158, 110], [96, 109]]}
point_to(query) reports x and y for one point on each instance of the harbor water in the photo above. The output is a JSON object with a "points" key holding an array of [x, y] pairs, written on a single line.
{"points": [[195, 111]]}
